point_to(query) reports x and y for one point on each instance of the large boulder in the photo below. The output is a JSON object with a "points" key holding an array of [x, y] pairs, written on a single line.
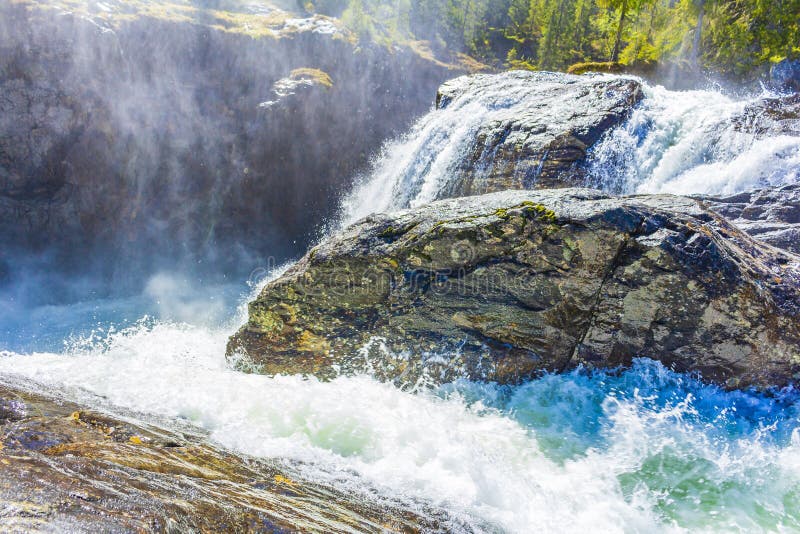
{"points": [[770, 215], [504, 286], [536, 127], [67, 468]]}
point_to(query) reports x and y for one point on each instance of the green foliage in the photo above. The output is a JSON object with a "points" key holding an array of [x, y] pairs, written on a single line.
{"points": [[736, 37], [595, 66]]}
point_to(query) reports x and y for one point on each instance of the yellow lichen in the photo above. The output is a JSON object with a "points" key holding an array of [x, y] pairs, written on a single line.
{"points": [[314, 75], [280, 479], [265, 321], [309, 342]]}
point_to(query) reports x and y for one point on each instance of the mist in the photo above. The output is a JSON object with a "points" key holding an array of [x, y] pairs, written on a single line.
{"points": [[135, 143]]}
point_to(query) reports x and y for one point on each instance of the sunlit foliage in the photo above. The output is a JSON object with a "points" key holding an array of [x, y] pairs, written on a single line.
{"points": [[735, 37]]}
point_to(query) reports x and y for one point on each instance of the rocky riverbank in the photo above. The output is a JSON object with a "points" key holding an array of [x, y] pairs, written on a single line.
{"points": [[64, 467]]}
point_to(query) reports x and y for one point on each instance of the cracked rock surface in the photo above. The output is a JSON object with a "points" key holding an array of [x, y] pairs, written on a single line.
{"points": [[771, 215], [507, 285]]}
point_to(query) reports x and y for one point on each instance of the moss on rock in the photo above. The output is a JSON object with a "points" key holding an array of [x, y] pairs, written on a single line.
{"points": [[508, 285]]}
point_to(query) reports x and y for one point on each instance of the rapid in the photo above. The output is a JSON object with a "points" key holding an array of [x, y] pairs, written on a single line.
{"points": [[639, 450]]}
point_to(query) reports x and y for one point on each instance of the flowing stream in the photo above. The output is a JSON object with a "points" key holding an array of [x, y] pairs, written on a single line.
{"points": [[681, 142], [645, 450]]}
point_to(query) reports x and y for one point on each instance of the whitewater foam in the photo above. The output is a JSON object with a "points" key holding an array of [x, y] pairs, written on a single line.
{"points": [[686, 142], [642, 450], [682, 142]]}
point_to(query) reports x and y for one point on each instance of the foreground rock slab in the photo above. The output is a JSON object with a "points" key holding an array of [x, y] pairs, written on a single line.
{"points": [[504, 286], [65, 468]]}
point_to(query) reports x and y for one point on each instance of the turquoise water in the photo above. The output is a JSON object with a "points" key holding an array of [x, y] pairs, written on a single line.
{"points": [[636, 450], [705, 458]]}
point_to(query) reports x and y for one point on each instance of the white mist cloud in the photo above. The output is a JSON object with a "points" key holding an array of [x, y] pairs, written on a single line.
{"points": [[175, 298]]}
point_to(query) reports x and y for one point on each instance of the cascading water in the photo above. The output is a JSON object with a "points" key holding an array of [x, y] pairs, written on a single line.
{"points": [[412, 170], [645, 450], [689, 143], [681, 142]]}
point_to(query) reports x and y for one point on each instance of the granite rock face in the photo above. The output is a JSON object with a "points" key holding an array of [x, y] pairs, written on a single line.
{"points": [[504, 286], [129, 125], [770, 215], [769, 117], [541, 139], [66, 468], [785, 75]]}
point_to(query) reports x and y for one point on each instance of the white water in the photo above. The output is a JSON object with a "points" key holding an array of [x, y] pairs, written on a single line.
{"points": [[411, 171], [683, 142], [679, 142], [643, 451], [646, 451]]}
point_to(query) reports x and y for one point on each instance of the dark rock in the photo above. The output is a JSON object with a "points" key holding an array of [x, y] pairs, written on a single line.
{"points": [[785, 75], [507, 285], [139, 127], [541, 139], [66, 468], [770, 215]]}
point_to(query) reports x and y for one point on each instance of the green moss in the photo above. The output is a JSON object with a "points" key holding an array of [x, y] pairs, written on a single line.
{"points": [[393, 263], [595, 66], [388, 232], [265, 321], [539, 211], [530, 210], [314, 75], [502, 213]]}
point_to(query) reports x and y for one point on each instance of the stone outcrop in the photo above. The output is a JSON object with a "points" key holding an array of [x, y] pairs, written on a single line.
{"points": [[771, 116], [136, 125], [770, 215], [507, 285], [541, 140], [66, 468], [785, 75]]}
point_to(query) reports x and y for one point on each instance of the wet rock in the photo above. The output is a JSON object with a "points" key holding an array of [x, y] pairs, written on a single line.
{"points": [[770, 117], [541, 140], [770, 215], [785, 75], [64, 468], [137, 125], [507, 285], [298, 82]]}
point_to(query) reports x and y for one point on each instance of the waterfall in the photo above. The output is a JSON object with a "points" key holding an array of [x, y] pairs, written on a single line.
{"points": [[682, 142], [690, 142], [414, 169]]}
